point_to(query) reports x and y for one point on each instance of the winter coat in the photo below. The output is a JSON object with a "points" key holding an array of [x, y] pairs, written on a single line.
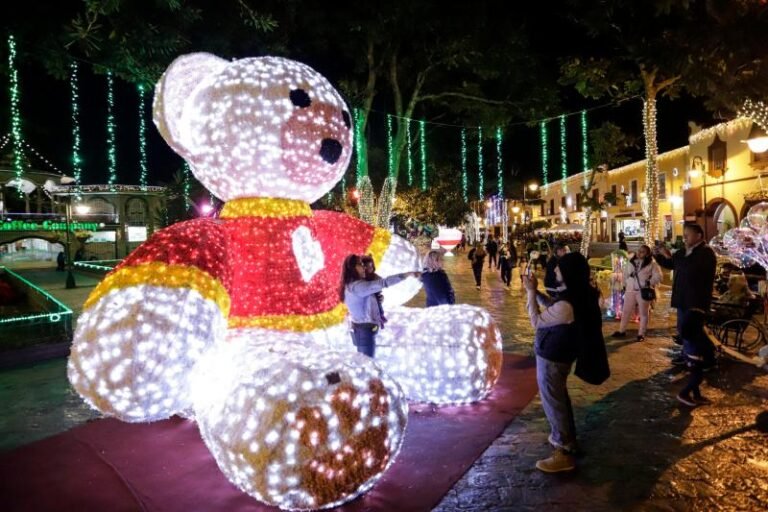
{"points": [[694, 277], [649, 275], [438, 288]]}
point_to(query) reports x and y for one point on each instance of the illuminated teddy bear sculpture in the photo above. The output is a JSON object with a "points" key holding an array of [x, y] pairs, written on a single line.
{"points": [[237, 320]]}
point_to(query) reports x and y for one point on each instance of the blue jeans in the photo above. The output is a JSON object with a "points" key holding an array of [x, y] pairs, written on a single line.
{"points": [[364, 337], [552, 377]]}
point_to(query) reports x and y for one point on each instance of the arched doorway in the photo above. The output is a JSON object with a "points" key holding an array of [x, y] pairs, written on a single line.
{"points": [[30, 252], [720, 217]]}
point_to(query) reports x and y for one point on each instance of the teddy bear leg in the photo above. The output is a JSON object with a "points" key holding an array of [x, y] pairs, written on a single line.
{"points": [[134, 350], [301, 427], [443, 354]]}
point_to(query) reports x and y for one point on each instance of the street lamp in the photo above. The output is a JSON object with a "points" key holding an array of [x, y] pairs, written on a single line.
{"points": [[757, 139], [533, 187], [81, 210]]}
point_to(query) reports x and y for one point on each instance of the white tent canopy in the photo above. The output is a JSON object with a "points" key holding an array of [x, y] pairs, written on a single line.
{"points": [[563, 228]]}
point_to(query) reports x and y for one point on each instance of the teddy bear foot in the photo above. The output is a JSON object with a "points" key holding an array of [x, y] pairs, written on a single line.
{"points": [[299, 429]]}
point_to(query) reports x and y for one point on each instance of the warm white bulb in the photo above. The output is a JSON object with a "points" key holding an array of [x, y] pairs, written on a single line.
{"points": [[758, 144]]}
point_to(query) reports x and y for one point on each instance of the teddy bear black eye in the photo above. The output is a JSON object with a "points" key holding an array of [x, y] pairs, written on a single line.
{"points": [[347, 120], [300, 98]]}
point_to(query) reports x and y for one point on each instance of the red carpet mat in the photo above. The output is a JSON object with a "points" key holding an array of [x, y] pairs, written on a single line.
{"points": [[108, 465]]}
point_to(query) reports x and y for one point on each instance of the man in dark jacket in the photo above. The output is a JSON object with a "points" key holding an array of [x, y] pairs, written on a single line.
{"points": [[695, 266], [492, 248], [551, 284]]}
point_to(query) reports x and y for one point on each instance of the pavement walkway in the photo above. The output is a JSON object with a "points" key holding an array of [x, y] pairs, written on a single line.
{"points": [[642, 450]]}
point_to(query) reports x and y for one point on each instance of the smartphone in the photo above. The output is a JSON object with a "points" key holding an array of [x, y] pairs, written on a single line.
{"points": [[528, 270]]}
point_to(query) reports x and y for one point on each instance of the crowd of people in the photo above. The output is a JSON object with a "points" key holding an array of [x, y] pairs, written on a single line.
{"points": [[566, 315]]}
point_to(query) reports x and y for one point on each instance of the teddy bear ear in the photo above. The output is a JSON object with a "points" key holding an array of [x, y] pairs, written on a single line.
{"points": [[174, 91]]}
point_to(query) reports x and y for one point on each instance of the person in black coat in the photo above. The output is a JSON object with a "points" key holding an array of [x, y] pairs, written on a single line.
{"points": [[551, 284], [477, 257], [492, 248], [436, 283], [622, 243], [695, 266]]}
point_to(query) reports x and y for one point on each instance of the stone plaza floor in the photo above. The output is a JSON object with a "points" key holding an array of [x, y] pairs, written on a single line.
{"points": [[642, 450]]}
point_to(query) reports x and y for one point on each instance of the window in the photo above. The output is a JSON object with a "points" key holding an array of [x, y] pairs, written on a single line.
{"points": [[717, 158], [541, 210], [551, 206], [633, 191], [136, 212], [562, 202], [662, 185], [577, 205], [596, 195]]}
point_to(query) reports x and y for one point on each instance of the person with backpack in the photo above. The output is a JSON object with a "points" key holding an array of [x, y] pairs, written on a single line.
{"points": [[492, 248]]}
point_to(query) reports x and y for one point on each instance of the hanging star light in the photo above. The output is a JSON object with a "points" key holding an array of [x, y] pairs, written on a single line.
{"points": [[423, 153], [499, 164], [202, 318], [543, 136], [464, 181]]}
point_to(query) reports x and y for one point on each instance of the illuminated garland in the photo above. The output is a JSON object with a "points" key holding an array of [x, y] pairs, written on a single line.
{"points": [[75, 97], [187, 185], [584, 146], [651, 172], [111, 139], [142, 138], [16, 135], [390, 153], [362, 166], [757, 111], [464, 182], [480, 184], [563, 156], [410, 149], [423, 154], [544, 152], [499, 164]]}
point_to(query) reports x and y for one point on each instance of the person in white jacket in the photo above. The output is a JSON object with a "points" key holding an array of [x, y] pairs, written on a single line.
{"points": [[641, 271]]}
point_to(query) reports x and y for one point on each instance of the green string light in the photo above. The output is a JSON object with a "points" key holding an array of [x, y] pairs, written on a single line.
{"points": [[390, 154], [464, 181], [359, 147], [142, 138], [499, 163], [187, 185], [480, 184], [77, 170], [111, 132], [423, 153], [410, 150], [584, 145], [563, 156], [18, 160], [544, 136]]}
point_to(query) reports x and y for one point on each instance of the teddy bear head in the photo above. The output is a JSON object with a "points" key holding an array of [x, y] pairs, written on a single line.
{"points": [[255, 127]]}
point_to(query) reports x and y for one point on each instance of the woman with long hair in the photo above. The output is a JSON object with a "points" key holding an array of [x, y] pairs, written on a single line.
{"points": [[436, 283], [560, 331], [359, 294], [640, 272], [477, 257]]}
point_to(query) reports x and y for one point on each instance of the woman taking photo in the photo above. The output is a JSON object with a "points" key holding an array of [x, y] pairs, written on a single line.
{"points": [[560, 339], [641, 272], [359, 295], [436, 284]]}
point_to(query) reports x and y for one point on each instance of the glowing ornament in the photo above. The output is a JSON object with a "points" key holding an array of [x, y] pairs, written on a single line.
{"points": [[448, 238], [235, 320]]}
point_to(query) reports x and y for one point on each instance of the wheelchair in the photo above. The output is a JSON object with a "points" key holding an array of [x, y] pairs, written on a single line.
{"points": [[735, 325]]}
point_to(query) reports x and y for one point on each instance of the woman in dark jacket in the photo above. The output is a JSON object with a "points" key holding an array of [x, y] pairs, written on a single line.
{"points": [[562, 329], [477, 257], [435, 280]]}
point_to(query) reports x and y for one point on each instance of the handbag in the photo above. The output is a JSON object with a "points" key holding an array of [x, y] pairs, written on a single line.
{"points": [[646, 293]]}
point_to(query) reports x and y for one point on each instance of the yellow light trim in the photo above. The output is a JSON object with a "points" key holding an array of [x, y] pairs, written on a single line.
{"points": [[265, 207], [379, 245], [162, 274], [296, 323]]}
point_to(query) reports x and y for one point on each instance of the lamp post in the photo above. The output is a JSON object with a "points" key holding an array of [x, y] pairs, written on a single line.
{"points": [[698, 168], [533, 187]]}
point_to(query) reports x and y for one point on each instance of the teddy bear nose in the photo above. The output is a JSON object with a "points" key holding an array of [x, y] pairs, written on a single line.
{"points": [[330, 150]]}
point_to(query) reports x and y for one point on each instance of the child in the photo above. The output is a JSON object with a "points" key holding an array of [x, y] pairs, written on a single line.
{"points": [[697, 349]]}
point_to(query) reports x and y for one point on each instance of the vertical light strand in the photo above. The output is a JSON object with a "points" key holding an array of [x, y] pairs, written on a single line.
{"points": [[390, 151], [423, 153], [499, 163], [584, 147], [464, 181], [111, 132], [563, 157], [651, 172], [187, 185], [360, 146], [77, 170], [142, 138], [480, 184], [410, 151], [14, 96], [544, 137]]}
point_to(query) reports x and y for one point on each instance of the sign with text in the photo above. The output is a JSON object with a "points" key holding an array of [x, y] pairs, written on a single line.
{"points": [[47, 225]]}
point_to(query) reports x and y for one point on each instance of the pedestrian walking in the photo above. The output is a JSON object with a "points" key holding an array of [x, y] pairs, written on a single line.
{"points": [[568, 328], [477, 257], [622, 243], [506, 263], [641, 277], [436, 283], [359, 295], [492, 248], [551, 284]]}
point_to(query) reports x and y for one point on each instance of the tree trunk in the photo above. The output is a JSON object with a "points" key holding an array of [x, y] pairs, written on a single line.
{"points": [[651, 212], [586, 234]]}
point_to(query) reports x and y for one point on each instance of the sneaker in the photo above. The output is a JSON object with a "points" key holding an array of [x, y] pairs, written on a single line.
{"points": [[557, 462], [618, 334], [679, 360], [702, 400], [686, 400], [640, 337], [477, 287]]}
